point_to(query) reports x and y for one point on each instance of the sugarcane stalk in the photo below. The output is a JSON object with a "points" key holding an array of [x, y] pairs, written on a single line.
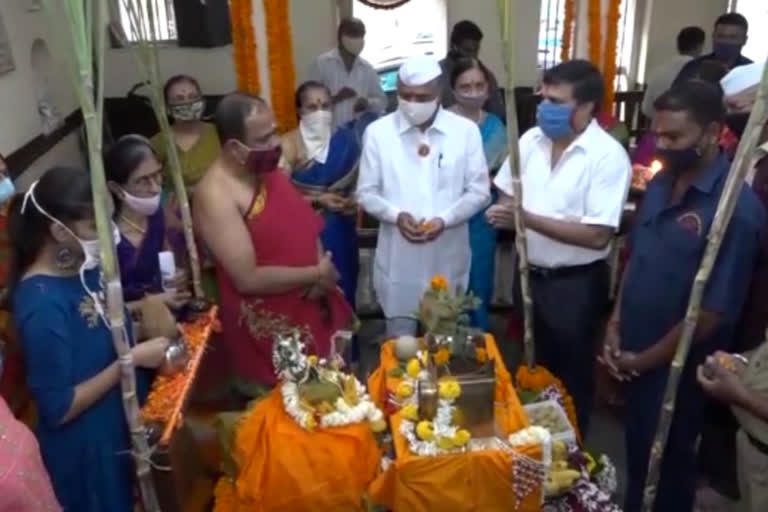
{"points": [[506, 15], [728, 200], [147, 61], [78, 38]]}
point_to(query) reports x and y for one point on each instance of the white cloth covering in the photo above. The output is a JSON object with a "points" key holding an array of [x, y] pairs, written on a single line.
{"points": [[419, 70], [741, 78]]}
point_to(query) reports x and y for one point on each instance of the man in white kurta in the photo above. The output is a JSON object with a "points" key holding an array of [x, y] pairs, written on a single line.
{"points": [[423, 174]]}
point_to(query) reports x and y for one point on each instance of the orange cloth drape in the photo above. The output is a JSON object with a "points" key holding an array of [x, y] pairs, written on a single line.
{"points": [[460, 483], [284, 468], [568, 24], [282, 74]]}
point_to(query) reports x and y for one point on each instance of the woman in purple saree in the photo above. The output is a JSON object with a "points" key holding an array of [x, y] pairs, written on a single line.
{"points": [[134, 177]]}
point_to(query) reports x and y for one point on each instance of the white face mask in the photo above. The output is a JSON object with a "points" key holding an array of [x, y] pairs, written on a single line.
{"points": [[315, 129], [142, 205], [353, 45], [417, 113]]}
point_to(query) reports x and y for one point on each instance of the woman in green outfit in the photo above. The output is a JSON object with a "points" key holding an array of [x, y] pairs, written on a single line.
{"points": [[197, 145]]}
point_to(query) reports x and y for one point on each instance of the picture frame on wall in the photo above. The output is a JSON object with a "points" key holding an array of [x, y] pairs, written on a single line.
{"points": [[7, 63]]}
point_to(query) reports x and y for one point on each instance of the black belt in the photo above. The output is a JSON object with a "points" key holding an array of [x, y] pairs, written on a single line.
{"points": [[557, 272], [761, 446]]}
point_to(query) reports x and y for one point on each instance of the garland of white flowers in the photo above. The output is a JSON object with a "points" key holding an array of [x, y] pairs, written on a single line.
{"points": [[344, 414], [294, 368]]}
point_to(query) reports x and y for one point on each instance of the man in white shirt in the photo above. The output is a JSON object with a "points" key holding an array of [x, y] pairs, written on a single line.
{"points": [[423, 174], [353, 82], [575, 180], [690, 44]]}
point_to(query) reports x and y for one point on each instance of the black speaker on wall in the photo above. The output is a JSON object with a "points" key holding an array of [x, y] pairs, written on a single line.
{"points": [[203, 23]]}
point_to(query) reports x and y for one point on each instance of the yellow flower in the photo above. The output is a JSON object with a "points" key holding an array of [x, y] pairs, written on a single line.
{"points": [[439, 282], [312, 360], [404, 390], [410, 412], [311, 423], [442, 356], [481, 354], [445, 443], [378, 426], [413, 368], [449, 389], [462, 437], [425, 430]]}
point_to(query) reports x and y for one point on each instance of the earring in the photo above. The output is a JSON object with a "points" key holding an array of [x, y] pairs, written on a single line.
{"points": [[65, 259]]}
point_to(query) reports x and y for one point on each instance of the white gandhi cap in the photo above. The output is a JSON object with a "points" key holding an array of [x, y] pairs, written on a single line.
{"points": [[419, 70], [742, 78]]}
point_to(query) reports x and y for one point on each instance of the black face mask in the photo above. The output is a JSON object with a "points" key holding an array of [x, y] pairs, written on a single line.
{"points": [[737, 123], [678, 160]]}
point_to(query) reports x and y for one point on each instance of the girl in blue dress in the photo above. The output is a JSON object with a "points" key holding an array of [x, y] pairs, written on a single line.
{"points": [[72, 367], [469, 81]]}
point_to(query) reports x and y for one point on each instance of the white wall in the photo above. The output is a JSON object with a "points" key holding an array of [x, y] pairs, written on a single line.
{"points": [[313, 24], [668, 17], [485, 13], [18, 91]]}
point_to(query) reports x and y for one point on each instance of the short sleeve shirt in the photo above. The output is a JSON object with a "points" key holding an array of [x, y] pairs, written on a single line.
{"points": [[668, 243]]}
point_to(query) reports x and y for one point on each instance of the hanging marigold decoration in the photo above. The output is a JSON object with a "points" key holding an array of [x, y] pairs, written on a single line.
{"points": [[244, 44], [611, 47], [282, 75], [568, 22], [595, 32]]}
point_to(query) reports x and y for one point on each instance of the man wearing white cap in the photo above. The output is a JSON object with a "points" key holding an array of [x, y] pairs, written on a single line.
{"points": [[423, 174]]}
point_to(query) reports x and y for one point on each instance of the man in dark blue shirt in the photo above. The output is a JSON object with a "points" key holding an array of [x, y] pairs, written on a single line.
{"points": [[666, 249], [728, 38]]}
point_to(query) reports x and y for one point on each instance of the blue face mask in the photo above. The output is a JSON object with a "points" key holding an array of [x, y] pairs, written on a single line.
{"points": [[554, 119], [6, 189], [726, 51]]}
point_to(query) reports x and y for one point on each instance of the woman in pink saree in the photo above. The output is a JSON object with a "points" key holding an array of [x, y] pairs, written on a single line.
{"points": [[24, 483]]}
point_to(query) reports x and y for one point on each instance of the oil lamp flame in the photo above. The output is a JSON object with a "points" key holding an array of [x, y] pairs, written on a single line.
{"points": [[655, 167]]}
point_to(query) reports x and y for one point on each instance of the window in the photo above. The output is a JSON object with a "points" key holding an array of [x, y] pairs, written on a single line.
{"points": [[392, 35], [165, 18], [551, 32], [551, 24], [756, 12]]}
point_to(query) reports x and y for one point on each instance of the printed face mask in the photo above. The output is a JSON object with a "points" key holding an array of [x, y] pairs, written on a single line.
{"points": [[187, 111], [471, 100]]}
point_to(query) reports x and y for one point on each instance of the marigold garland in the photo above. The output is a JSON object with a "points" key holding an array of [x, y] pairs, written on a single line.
{"points": [[609, 62], [538, 379], [225, 496], [168, 394], [594, 13], [244, 45], [282, 74], [568, 22]]}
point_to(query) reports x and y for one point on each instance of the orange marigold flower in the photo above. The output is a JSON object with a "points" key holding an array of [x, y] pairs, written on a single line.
{"points": [[439, 282], [442, 356], [481, 354]]}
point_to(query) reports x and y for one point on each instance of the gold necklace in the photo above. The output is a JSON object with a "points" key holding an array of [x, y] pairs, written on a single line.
{"points": [[133, 225]]}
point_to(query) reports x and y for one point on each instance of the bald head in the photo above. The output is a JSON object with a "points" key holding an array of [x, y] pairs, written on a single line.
{"points": [[232, 113]]}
